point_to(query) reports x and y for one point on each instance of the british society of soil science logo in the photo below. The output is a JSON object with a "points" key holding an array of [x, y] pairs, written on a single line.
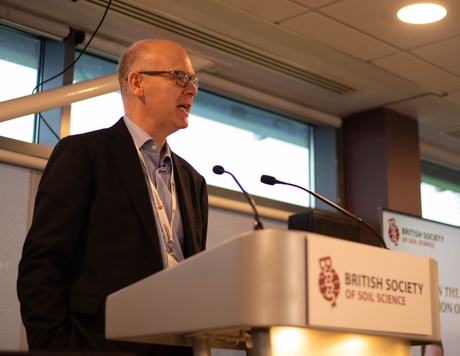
{"points": [[365, 288], [412, 236], [329, 284]]}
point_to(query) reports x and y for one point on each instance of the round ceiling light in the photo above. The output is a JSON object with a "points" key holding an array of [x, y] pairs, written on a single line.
{"points": [[422, 13]]}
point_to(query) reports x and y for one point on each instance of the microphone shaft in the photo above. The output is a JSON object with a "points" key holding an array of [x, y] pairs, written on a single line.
{"points": [[339, 208], [257, 224], [325, 200]]}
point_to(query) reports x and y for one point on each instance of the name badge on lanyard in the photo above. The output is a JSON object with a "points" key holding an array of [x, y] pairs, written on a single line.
{"points": [[165, 225]]}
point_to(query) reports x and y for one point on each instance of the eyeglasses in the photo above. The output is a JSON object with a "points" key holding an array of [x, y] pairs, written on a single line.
{"points": [[182, 78]]}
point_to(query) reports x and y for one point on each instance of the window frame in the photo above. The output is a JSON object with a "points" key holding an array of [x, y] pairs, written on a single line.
{"points": [[326, 187]]}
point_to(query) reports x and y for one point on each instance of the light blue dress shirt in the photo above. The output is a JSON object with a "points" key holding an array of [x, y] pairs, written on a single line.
{"points": [[160, 175]]}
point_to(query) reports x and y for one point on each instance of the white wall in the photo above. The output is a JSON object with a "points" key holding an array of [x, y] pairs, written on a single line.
{"points": [[17, 192]]}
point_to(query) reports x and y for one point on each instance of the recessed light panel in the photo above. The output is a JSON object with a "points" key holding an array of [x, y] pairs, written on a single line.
{"points": [[422, 13]]}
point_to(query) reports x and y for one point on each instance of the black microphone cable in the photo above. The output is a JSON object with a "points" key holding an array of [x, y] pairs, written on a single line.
{"points": [[70, 66], [101, 21]]}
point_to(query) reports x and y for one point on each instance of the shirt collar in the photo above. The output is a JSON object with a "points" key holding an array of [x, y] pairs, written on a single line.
{"points": [[140, 137]]}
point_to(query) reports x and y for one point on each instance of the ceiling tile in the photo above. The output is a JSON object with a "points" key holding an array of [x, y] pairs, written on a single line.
{"points": [[378, 19], [419, 72], [312, 4], [444, 54], [277, 11], [338, 36], [455, 95], [435, 115]]}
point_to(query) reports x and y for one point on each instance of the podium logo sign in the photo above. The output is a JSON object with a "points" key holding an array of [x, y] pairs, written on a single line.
{"points": [[393, 231], [356, 286], [329, 283]]}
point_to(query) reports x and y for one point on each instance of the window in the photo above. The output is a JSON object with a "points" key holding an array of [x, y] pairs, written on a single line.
{"points": [[19, 61], [248, 142], [245, 140], [440, 193], [98, 112]]}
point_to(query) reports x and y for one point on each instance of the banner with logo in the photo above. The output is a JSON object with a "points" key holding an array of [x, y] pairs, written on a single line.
{"points": [[360, 287], [441, 242]]}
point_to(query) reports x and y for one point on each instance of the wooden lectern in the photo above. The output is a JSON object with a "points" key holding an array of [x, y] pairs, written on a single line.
{"points": [[323, 294]]}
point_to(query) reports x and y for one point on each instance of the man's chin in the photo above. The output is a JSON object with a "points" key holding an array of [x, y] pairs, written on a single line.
{"points": [[180, 127], [184, 124]]}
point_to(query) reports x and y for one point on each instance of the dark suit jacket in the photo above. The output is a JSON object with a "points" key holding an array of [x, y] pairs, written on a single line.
{"points": [[93, 233]]}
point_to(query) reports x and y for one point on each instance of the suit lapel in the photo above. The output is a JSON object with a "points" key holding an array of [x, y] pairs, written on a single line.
{"points": [[186, 207], [127, 161]]}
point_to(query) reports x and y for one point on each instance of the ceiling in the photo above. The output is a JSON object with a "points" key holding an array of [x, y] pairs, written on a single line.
{"points": [[336, 57]]}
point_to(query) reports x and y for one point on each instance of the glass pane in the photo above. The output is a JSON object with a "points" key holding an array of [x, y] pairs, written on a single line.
{"points": [[248, 142], [19, 59], [95, 113], [440, 193], [98, 112], [441, 205]]}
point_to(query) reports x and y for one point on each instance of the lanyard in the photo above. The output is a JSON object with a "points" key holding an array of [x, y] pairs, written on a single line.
{"points": [[165, 225]]}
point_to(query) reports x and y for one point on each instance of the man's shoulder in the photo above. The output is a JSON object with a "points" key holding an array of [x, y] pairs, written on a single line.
{"points": [[94, 141], [118, 129]]}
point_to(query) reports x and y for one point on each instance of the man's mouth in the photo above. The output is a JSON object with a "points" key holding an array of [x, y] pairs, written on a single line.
{"points": [[184, 108]]}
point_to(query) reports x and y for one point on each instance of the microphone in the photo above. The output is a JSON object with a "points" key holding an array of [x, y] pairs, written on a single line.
{"points": [[272, 181], [257, 224]]}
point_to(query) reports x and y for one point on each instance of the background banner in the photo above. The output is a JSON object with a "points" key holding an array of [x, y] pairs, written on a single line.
{"points": [[412, 234]]}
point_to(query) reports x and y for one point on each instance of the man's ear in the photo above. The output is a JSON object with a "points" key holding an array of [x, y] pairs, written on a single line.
{"points": [[135, 83]]}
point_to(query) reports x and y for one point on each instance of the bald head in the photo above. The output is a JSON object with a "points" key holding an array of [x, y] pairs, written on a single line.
{"points": [[159, 102], [148, 55]]}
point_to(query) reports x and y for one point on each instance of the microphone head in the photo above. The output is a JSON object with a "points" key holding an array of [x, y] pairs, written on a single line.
{"points": [[268, 180], [218, 169]]}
